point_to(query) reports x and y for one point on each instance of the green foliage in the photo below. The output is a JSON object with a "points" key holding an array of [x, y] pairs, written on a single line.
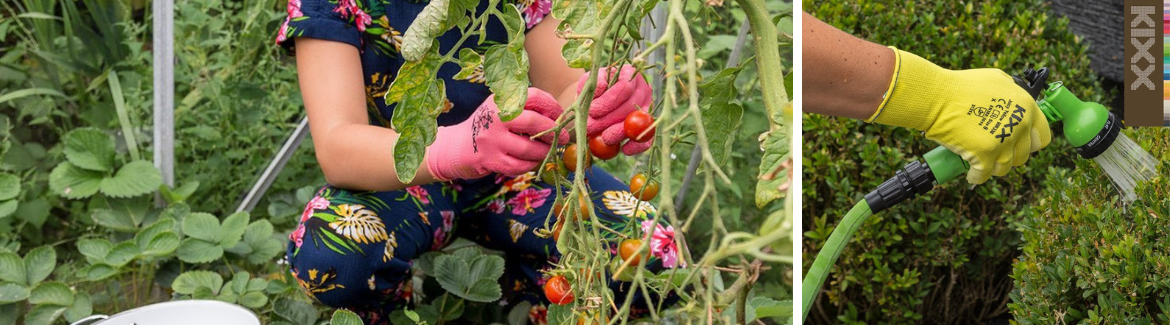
{"points": [[470, 275], [75, 108], [941, 258], [1088, 257]]}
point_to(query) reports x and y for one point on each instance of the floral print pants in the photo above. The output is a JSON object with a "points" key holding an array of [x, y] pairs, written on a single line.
{"points": [[354, 249]]}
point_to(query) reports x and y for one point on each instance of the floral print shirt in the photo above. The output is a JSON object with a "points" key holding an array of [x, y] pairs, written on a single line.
{"points": [[375, 27]]}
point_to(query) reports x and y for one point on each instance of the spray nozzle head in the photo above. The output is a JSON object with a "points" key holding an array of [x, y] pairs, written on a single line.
{"points": [[1088, 126]]}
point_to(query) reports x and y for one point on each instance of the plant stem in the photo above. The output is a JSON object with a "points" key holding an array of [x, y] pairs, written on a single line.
{"points": [[764, 37]]}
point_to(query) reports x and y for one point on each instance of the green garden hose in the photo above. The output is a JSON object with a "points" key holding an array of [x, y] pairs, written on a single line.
{"points": [[832, 250], [1088, 126]]}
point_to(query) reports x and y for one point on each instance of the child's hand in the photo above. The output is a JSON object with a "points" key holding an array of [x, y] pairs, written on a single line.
{"points": [[483, 144], [612, 103]]}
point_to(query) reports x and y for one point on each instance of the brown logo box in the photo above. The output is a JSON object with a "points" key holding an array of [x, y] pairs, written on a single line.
{"points": [[1144, 84]]}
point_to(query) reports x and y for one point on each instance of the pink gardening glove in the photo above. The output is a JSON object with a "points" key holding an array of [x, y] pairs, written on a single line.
{"points": [[611, 104], [483, 144]]}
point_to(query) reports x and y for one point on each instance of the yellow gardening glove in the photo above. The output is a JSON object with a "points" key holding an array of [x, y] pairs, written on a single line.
{"points": [[979, 114]]}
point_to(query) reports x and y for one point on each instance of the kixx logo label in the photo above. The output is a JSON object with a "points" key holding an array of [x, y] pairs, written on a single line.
{"points": [[1000, 118], [1143, 62]]}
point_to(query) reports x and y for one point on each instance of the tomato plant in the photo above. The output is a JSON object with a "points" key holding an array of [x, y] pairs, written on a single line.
{"points": [[639, 126], [558, 290], [570, 158], [629, 251], [601, 149], [643, 188]]}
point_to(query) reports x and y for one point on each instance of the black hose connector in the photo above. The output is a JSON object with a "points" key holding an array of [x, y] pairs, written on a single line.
{"points": [[910, 181]]}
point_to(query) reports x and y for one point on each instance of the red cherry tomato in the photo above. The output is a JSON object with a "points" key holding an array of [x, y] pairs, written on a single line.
{"points": [[629, 249], [639, 126], [570, 158], [558, 290], [602, 150], [643, 188]]}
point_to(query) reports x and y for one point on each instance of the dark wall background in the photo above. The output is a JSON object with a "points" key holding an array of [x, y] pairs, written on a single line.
{"points": [[1100, 22]]}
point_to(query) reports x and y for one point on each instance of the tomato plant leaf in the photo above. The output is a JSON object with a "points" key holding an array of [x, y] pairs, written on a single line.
{"points": [[580, 18], [721, 114], [90, 149], [9, 186], [11, 292], [72, 182], [414, 119], [139, 177], [51, 293], [12, 268], [513, 23], [771, 177], [39, 263], [506, 71], [788, 84], [428, 25], [187, 282], [470, 64], [203, 226]]}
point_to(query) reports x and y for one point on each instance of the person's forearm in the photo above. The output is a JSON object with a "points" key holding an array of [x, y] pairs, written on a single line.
{"points": [[361, 157], [843, 75]]}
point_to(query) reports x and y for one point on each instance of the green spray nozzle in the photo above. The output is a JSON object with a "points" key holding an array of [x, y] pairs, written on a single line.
{"points": [[1088, 126]]}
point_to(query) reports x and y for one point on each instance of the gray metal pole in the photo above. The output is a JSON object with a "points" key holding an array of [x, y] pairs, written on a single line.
{"points": [[164, 89], [269, 174]]}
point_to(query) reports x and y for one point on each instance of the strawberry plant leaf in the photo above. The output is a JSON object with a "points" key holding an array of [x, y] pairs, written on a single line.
{"points": [[43, 315], [193, 250], [8, 207], [95, 250], [9, 186], [82, 307], [163, 224], [234, 226], [255, 300], [161, 245], [11, 292], [203, 226], [296, 311], [12, 268], [39, 263], [139, 177], [51, 293], [187, 282], [72, 182], [90, 149], [345, 317], [475, 281], [114, 220], [122, 254]]}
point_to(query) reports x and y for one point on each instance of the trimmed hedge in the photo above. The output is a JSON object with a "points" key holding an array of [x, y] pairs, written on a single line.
{"points": [[1090, 259], [943, 258]]}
